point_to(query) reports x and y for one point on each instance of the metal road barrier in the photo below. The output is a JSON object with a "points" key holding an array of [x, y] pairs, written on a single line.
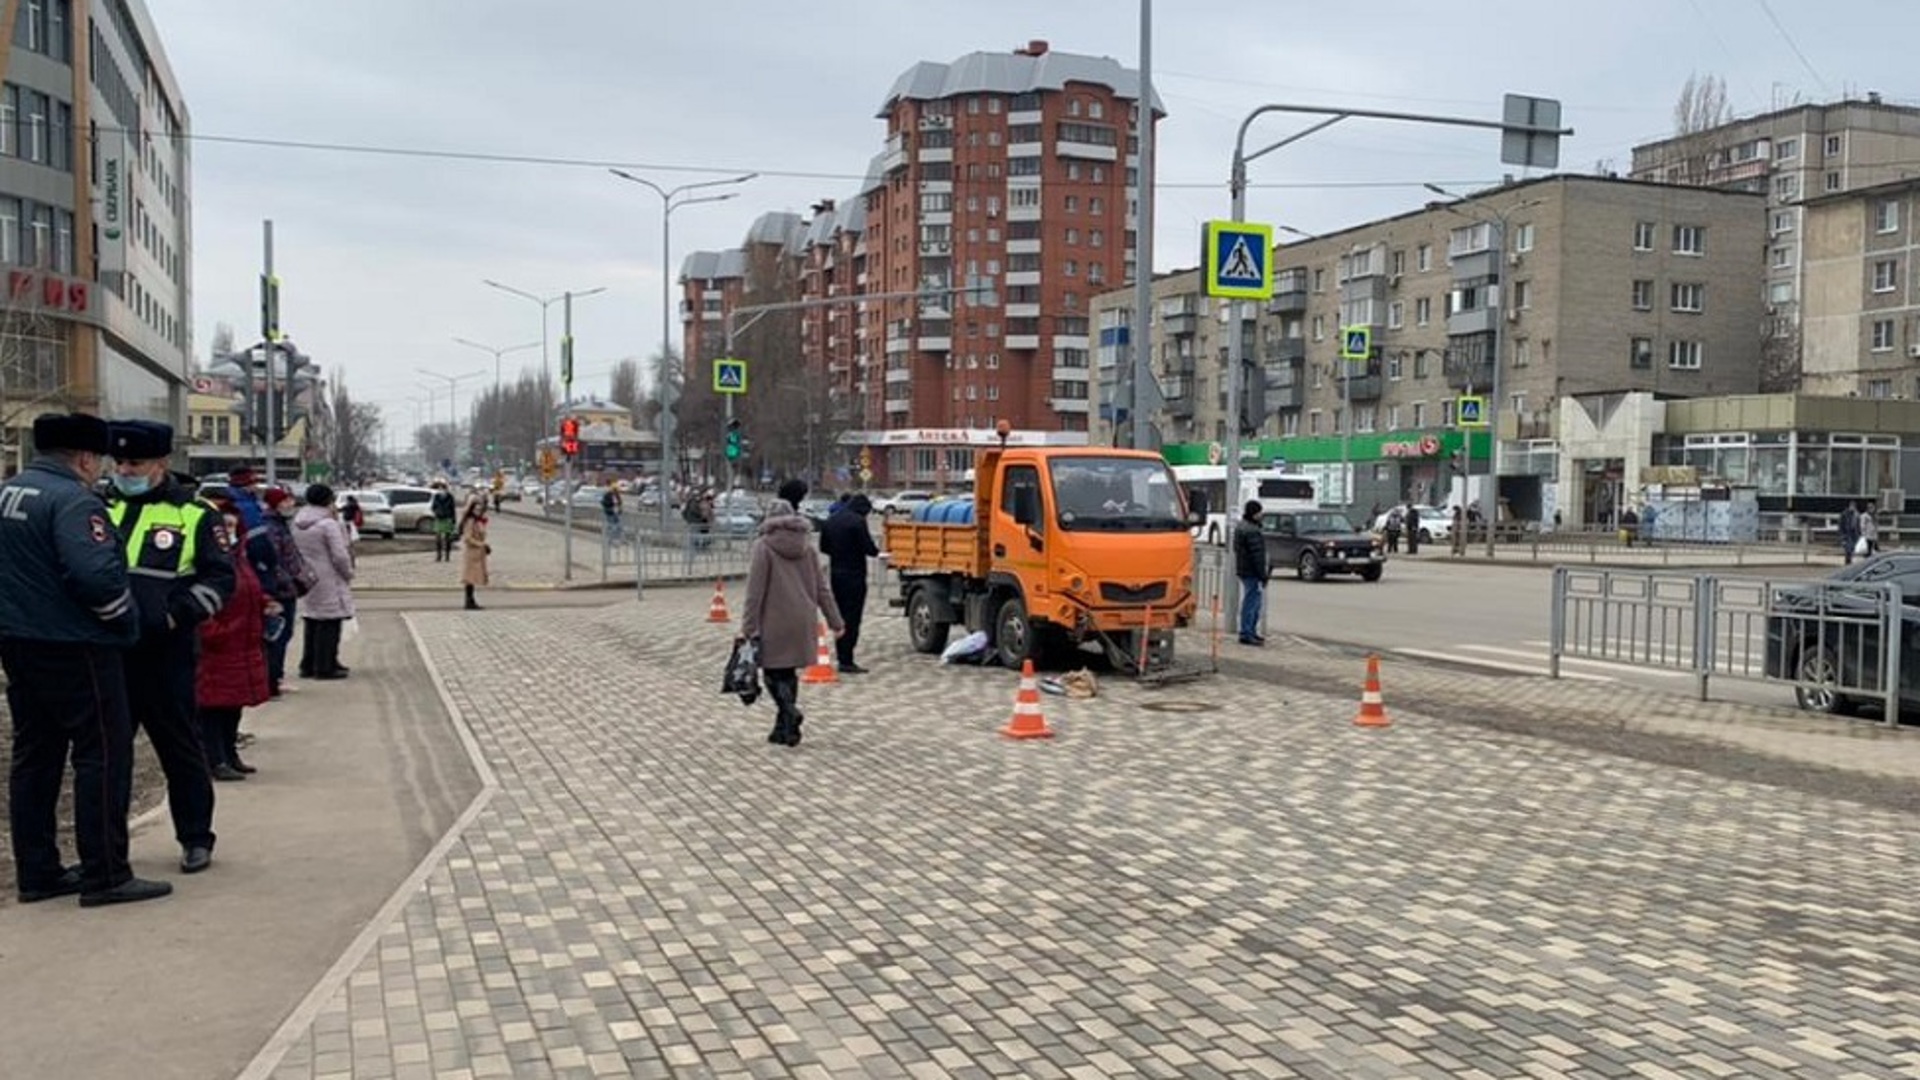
{"points": [[1836, 643], [675, 555]]}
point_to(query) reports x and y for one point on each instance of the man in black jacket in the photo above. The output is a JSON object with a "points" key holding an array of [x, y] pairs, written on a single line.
{"points": [[848, 543], [66, 619], [179, 556], [1251, 567]]}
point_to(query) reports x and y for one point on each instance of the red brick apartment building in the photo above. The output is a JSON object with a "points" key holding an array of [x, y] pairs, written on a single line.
{"points": [[1006, 194]]}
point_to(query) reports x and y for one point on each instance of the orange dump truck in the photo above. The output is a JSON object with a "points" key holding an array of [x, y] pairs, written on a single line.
{"points": [[1058, 547]]}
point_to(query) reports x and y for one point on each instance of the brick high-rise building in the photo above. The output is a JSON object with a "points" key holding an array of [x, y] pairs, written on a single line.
{"points": [[1006, 191]]}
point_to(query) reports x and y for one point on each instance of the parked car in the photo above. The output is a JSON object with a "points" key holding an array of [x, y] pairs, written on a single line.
{"points": [[902, 503], [1320, 542], [1823, 652], [412, 507], [376, 511], [737, 512], [814, 509], [1436, 522]]}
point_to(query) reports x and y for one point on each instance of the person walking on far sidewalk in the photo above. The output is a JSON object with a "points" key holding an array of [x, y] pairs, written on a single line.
{"points": [[610, 509], [67, 616], [847, 541], [786, 594], [1250, 565], [474, 550], [443, 510]]}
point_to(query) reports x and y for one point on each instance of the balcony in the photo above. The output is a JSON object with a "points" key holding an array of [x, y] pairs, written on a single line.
{"points": [[1183, 323], [1286, 396], [895, 157], [936, 248], [1284, 351], [1482, 264], [1470, 374], [1478, 320], [1363, 387], [1022, 277], [1288, 302], [931, 154], [931, 343], [1180, 408], [935, 121], [1086, 150], [1029, 245], [1023, 311], [1023, 341], [1071, 405], [1023, 117], [1024, 213]]}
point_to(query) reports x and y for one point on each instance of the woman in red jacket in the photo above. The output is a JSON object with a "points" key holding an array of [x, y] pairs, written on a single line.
{"points": [[232, 673]]}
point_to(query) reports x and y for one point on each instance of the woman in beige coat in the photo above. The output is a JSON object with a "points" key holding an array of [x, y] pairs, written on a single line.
{"points": [[787, 595], [474, 549]]}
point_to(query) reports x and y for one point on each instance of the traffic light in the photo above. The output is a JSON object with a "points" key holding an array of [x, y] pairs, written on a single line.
{"points": [[733, 440], [570, 436]]}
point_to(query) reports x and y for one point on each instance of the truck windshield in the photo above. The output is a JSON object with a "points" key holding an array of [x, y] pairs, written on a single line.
{"points": [[1115, 494]]}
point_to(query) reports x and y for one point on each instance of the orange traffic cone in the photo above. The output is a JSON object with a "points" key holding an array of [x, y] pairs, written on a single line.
{"points": [[1028, 721], [1373, 711], [717, 611], [822, 670]]}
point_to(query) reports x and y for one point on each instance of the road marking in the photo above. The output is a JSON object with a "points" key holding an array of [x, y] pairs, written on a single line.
{"points": [[1727, 660], [1608, 665], [1498, 665]]}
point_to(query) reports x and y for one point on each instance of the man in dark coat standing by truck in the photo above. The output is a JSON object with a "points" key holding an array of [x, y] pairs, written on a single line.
{"points": [[180, 558], [67, 616], [1250, 565], [847, 542]]}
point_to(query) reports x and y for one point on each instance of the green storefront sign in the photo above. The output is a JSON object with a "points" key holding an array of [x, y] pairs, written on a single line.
{"points": [[1408, 446]]}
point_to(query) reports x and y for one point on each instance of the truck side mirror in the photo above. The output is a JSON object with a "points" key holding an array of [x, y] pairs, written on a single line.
{"points": [[1196, 518], [1026, 506]]}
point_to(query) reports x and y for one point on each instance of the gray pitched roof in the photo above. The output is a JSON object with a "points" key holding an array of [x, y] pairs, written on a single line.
{"points": [[707, 265], [775, 227], [1013, 73]]}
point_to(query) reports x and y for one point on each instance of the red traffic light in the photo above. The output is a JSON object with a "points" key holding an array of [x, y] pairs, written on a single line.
{"points": [[570, 436]]}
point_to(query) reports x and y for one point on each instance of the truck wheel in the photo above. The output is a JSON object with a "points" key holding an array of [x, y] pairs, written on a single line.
{"points": [[1013, 633], [926, 633], [1310, 567]]}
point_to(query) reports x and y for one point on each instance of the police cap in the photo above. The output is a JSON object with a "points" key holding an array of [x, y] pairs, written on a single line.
{"points": [[141, 440], [71, 431]]}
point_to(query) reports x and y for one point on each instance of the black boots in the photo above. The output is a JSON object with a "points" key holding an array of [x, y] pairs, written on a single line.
{"points": [[471, 604]]}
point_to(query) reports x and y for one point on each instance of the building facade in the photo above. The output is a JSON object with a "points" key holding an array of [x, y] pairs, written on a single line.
{"points": [[1794, 157], [1860, 315], [1004, 200], [94, 216], [1597, 286]]}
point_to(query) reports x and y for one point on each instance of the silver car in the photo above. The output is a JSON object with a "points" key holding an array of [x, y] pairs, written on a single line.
{"points": [[412, 507]]}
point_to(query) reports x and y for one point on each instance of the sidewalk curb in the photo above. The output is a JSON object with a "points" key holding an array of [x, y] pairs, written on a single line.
{"points": [[298, 1021]]}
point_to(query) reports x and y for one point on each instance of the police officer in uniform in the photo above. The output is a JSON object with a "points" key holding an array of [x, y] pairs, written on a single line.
{"points": [[66, 619], [177, 553]]}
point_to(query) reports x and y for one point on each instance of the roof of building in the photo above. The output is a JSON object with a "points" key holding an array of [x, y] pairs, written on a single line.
{"points": [[776, 227], [709, 265], [1871, 101], [1889, 187], [1013, 73]]}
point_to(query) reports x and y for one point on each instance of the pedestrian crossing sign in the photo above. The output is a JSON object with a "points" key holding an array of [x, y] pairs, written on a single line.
{"points": [[729, 376], [1239, 258], [1356, 342], [1470, 412]]}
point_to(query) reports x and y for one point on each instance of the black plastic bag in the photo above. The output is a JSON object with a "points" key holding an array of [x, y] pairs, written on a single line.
{"points": [[743, 672]]}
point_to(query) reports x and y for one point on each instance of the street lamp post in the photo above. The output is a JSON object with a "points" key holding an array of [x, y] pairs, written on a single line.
{"points": [[453, 388], [546, 372], [672, 199], [497, 354], [1497, 222]]}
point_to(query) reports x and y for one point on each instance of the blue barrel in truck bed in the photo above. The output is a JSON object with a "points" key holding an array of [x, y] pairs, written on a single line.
{"points": [[945, 512]]}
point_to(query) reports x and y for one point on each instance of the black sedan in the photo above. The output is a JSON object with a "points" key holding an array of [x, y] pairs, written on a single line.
{"points": [[1319, 542], [1826, 640]]}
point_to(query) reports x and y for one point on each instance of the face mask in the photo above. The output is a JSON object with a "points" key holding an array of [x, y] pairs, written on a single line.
{"points": [[132, 486]]}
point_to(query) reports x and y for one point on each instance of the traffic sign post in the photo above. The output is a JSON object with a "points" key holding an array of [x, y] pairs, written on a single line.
{"points": [[1356, 343], [729, 376], [1239, 260], [1470, 412]]}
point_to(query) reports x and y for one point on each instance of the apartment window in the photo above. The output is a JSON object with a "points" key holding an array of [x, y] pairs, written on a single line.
{"points": [[1423, 311], [9, 230], [1834, 145], [1073, 236], [1365, 417], [1786, 149], [1643, 236], [1683, 355], [1095, 204], [1886, 217], [1320, 280], [1398, 261], [993, 361], [33, 135], [1096, 273], [1096, 238], [1643, 295], [1070, 268], [1885, 275], [973, 106], [1879, 388], [1689, 240], [1787, 186], [1882, 335], [993, 106], [1423, 258], [1396, 315], [1782, 257], [1522, 353], [1523, 237], [1313, 422], [1640, 352], [1319, 328], [993, 329], [1419, 366], [1782, 222], [1446, 413], [1289, 424], [1470, 239], [1833, 181], [1522, 295], [1419, 414], [1689, 296], [993, 393], [1396, 366]]}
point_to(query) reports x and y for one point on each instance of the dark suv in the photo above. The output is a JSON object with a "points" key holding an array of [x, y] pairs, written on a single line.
{"points": [[1320, 542], [1835, 642]]}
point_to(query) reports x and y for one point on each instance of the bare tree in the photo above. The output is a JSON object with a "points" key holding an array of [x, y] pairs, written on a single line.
{"points": [[222, 345], [33, 371], [437, 443], [1702, 106], [355, 435], [507, 425], [625, 388]]}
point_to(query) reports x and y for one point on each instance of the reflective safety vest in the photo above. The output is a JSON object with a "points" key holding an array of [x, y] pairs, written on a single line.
{"points": [[163, 543]]}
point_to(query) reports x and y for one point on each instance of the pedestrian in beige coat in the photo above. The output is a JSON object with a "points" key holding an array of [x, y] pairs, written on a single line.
{"points": [[787, 596], [474, 550]]}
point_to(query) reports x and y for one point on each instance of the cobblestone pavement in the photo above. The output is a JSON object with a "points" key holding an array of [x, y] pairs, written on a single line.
{"points": [[1219, 879]]}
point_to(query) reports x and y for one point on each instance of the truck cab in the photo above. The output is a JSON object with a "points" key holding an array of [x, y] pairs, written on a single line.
{"points": [[1058, 547]]}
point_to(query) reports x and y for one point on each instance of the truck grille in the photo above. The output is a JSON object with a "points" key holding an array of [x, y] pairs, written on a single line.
{"points": [[1114, 593]]}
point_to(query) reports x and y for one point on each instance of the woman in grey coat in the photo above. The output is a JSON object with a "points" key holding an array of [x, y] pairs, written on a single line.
{"points": [[787, 595]]}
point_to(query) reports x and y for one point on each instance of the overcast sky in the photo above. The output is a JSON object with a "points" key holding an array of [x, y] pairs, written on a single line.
{"points": [[382, 257]]}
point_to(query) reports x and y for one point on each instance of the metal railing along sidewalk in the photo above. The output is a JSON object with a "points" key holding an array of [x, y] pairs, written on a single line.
{"points": [[676, 556], [1836, 643]]}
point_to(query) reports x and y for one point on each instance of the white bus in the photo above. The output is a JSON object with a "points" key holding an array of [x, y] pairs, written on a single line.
{"points": [[1206, 490]]}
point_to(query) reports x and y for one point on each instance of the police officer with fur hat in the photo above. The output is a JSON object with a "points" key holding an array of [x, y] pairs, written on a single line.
{"points": [[66, 619], [177, 551]]}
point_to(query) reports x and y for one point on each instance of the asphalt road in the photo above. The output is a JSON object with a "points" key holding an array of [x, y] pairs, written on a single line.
{"points": [[1485, 617]]}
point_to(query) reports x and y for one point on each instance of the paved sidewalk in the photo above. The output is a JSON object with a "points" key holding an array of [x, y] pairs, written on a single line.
{"points": [[1210, 880]]}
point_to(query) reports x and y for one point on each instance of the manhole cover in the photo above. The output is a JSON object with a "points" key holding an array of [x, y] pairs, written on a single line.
{"points": [[1179, 706]]}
